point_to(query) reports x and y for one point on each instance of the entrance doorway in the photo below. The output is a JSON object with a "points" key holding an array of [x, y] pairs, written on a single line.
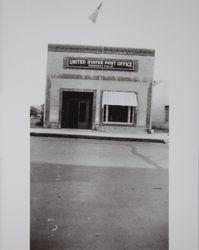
{"points": [[77, 109]]}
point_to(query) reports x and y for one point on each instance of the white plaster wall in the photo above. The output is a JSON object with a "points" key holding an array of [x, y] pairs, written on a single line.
{"points": [[160, 99], [145, 65], [139, 87]]}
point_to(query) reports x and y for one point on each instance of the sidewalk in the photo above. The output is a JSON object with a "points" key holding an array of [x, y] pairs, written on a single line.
{"points": [[159, 137]]}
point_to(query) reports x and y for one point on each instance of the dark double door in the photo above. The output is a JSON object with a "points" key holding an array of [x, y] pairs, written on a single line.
{"points": [[77, 110], [77, 114]]}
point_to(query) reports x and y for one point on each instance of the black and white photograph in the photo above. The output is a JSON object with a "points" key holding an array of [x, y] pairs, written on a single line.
{"points": [[99, 162], [99, 145], [107, 154]]}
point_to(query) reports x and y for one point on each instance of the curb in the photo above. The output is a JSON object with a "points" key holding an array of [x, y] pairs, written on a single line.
{"points": [[112, 138]]}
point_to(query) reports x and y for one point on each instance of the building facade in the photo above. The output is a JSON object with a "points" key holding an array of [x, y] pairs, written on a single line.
{"points": [[160, 106], [101, 88]]}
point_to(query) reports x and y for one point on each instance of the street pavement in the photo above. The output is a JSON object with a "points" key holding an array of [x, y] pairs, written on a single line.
{"points": [[95, 194]]}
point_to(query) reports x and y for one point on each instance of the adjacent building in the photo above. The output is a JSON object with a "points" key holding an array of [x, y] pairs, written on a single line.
{"points": [[160, 106], [99, 88]]}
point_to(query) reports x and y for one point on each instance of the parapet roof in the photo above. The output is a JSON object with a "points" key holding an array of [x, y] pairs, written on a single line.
{"points": [[100, 49]]}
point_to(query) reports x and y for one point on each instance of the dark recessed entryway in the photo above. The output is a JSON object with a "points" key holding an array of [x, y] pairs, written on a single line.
{"points": [[77, 110]]}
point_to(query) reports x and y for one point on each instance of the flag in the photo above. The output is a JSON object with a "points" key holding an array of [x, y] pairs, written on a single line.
{"points": [[94, 15]]}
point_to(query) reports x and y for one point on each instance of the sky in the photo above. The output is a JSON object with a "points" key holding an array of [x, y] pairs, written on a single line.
{"points": [[129, 23]]}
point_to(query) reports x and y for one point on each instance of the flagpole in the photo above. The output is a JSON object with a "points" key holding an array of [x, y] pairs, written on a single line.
{"points": [[99, 96], [98, 119]]}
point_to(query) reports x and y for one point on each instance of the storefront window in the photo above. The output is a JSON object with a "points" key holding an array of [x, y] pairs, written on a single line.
{"points": [[105, 114], [131, 114], [118, 114]]}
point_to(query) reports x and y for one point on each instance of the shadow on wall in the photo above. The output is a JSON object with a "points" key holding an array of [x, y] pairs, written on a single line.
{"points": [[160, 107]]}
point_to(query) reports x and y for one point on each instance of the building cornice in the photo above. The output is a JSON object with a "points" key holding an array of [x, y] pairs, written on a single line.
{"points": [[100, 77], [100, 50]]}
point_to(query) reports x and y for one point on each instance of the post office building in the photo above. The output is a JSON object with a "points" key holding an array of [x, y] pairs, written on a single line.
{"points": [[99, 88]]}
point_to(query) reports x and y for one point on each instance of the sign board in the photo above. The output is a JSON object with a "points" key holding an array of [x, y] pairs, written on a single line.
{"points": [[99, 63]]}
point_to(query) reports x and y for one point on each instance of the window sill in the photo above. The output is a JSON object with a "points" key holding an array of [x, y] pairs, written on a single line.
{"points": [[118, 124]]}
